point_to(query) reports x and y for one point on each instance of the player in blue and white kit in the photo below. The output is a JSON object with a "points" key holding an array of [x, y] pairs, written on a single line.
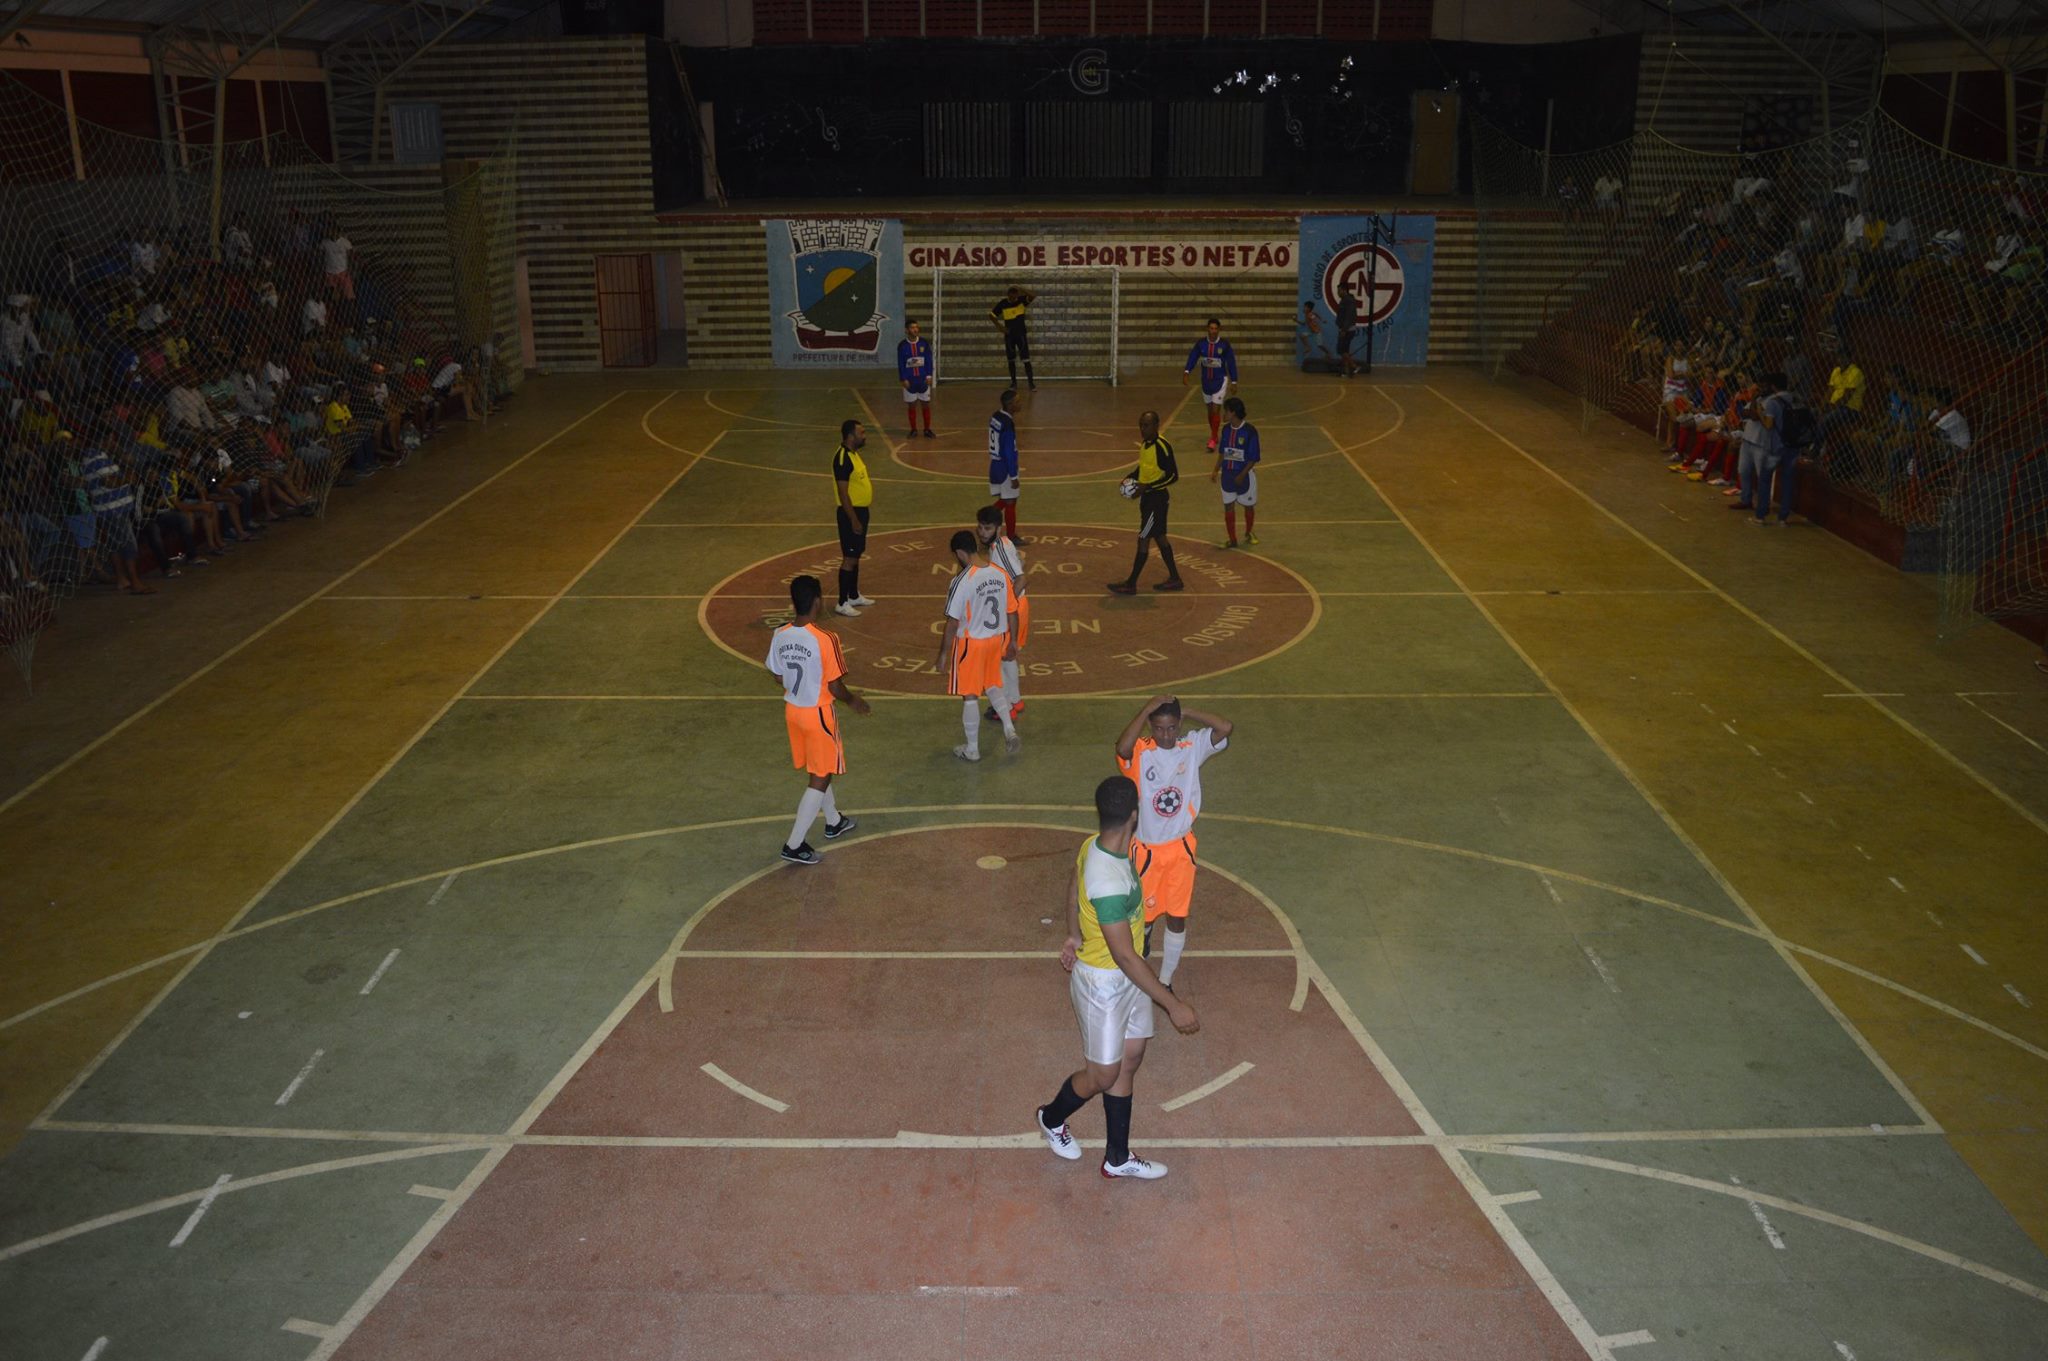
{"points": [[1218, 362], [1237, 469], [1002, 460], [914, 371]]}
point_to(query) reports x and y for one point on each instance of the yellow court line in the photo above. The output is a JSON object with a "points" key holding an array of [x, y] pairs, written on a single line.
{"points": [[1133, 693], [1746, 612], [1762, 929], [200, 954], [153, 705], [813, 524]]}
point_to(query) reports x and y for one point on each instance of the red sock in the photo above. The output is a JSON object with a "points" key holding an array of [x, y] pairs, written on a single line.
{"points": [[1251, 518], [911, 407], [1230, 521], [1010, 518], [927, 414], [1215, 422]]}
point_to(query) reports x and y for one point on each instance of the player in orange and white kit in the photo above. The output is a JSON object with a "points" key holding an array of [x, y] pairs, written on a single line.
{"points": [[980, 635], [1167, 768], [808, 662], [1004, 553]]}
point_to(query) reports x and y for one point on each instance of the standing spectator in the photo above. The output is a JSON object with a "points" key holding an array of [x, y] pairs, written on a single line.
{"points": [[112, 498], [1754, 441], [238, 249], [1308, 335], [313, 317], [1009, 315], [144, 259], [914, 372], [334, 252], [20, 347], [1607, 195], [1790, 431], [1347, 329], [1845, 395]]}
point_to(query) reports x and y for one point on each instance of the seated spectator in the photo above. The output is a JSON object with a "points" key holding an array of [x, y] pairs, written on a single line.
{"points": [[451, 384], [1845, 395], [21, 349], [1607, 195], [189, 413], [313, 317], [238, 248], [1676, 400]]}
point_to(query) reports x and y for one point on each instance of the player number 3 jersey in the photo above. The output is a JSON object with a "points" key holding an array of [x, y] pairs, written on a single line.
{"points": [[1169, 784], [807, 660], [1111, 900], [981, 602]]}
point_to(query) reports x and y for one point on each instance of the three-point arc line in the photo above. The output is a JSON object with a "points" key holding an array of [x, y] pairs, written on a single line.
{"points": [[719, 1074], [1209, 1088]]}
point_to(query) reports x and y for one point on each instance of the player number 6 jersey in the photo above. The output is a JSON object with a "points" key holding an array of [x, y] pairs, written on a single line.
{"points": [[1169, 784]]}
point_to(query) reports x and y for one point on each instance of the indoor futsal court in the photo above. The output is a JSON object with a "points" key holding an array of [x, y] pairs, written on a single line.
{"points": [[1616, 928]]}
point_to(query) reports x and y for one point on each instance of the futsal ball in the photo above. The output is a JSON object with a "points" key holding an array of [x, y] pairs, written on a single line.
{"points": [[1129, 488]]}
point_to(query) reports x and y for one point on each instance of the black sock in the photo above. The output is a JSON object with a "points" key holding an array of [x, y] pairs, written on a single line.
{"points": [[1138, 562], [1116, 1112], [1055, 1112], [853, 583], [1028, 374], [845, 585], [1166, 556]]}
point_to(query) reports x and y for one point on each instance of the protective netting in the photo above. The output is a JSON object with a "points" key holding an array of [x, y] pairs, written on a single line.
{"points": [[1901, 290], [192, 348], [1071, 323]]}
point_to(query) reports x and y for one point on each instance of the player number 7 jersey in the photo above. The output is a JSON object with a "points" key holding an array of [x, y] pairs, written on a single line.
{"points": [[806, 659]]}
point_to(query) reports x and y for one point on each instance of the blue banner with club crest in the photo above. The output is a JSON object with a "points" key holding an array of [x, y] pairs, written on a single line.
{"points": [[835, 287], [1334, 256]]}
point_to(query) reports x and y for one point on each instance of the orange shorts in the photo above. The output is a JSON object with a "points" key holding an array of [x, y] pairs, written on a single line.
{"points": [[814, 744], [1167, 874], [977, 665], [1023, 619]]}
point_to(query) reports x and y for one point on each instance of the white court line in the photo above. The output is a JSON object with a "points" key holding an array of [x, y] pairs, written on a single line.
{"points": [[111, 733], [972, 1292], [443, 889], [1209, 1088], [1895, 882], [718, 1074], [1600, 967], [1965, 698], [92, 1353], [1635, 1339], [199, 1211], [1044, 954], [429, 1192], [1763, 1221], [304, 1073], [1842, 1350], [2019, 997], [1972, 953], [305, 1327], [1517, 1197], [1551, 889], [380, 970]]}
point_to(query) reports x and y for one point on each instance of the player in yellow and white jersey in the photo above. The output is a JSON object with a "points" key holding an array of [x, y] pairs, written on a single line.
{"points": [[980, 635], [1111, 986], [808, 662], [1004, 553], [1168, 770]]}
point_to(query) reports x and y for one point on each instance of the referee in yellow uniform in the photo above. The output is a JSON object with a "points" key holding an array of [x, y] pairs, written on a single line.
{"points": [[1009, 316], [1156, 471], [856, 497]]}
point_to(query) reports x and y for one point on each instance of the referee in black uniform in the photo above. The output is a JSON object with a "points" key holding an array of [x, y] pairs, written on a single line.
{"points": [[856, 497], [1008, 315]]}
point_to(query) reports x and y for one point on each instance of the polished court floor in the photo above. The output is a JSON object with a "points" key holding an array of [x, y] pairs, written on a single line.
{"points": [[1619, 934]]}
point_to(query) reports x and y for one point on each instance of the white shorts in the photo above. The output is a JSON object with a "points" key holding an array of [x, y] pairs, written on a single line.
{"points": [[1111, 1010], [1249, 496], [1002, 491], [909, 396], [1216, 398]]}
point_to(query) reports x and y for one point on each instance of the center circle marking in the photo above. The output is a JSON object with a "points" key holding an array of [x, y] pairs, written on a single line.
{"points": [[1238, 608]]}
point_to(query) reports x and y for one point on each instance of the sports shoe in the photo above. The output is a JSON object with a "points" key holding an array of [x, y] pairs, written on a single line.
{"points": [[1134, 1166], [1251, 538], [1016, 710], [1058, 1140], [1124, 587], [1738, 505], [845, 609], [1212, 446], [861, 601], [834, 830], [989, 715], [1228, 543], [801, 855], [1013, 742], [1170, 584], [966, 753], [928, 433]]}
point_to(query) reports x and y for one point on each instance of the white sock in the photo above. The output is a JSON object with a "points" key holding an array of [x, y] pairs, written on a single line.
{"points": [[1010, 681], [831, 808], [806, 813], [970, 721], [1176, 941], [1000, 702]]}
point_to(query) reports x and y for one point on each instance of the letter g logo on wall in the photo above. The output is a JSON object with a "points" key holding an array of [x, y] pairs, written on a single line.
{"points": [[1089, 71]]}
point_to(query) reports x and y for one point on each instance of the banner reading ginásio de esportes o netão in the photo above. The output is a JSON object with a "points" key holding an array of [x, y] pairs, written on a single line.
{"points": [[1335, 253], [835, 291]]}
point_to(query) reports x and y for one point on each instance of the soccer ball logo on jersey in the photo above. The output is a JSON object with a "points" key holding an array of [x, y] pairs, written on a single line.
{"points": [[837, 266], [1167, 801]]}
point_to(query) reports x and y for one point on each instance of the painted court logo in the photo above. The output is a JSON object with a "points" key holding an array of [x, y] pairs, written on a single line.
{"points": [[837, 269]]}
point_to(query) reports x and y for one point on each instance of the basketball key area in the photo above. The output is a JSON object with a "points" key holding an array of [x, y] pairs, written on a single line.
{"points": [[536, 1051]]}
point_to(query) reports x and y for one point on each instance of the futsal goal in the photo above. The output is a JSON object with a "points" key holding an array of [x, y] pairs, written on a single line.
{"points": [[1072, 322]]}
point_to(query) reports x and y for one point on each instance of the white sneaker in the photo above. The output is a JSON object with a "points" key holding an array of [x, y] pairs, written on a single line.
{"points": [[861, 601], [846, 607], [966, 753], [1012, 742], [1135, 1166], [1061, 1142]]}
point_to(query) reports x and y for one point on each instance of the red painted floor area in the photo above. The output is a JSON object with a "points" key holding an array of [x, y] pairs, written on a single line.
{"points": [[613, 1249]]}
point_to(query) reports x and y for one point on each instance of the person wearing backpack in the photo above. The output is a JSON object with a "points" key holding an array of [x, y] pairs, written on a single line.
{"points": [[1791, 431]]}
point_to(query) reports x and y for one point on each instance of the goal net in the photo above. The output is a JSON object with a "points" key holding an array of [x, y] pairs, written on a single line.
{"points": [[1072, 322]]}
